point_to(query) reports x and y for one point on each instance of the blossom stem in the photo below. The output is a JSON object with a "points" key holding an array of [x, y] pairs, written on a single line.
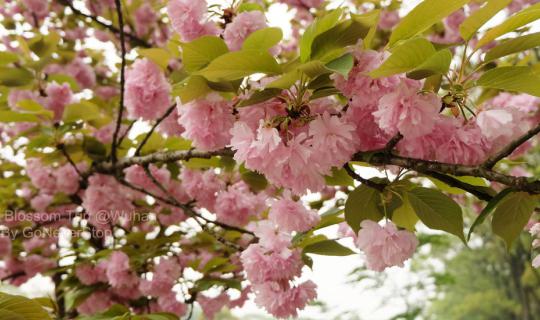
{"points": [[510, 148], [154, 127], [122, 79]]}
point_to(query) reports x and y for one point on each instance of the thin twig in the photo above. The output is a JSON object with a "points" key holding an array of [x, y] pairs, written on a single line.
{"points": [[154, 127], [510, 148], [107, 25], [378, 186], [70, 160], [120, 14]]}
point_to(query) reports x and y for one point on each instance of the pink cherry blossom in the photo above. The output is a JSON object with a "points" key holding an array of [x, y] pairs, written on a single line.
{"points": [[169, 303], [188, 19], [91, 274], [291, 216], [41, 201], [207, 122], [238, 204], [283, 301], [202, 186], [389, 18], [464, 146], [211, 306], [82, 72], [303, 4], [34, 264], [97, 301], [38, 7], [5, 246], [119, 272], [145, 18], [406, 111], [451, 32], [385, 246], [241, 27], [170, 125], [147, 91], [336, 137], [263, 264], [58, 97]]}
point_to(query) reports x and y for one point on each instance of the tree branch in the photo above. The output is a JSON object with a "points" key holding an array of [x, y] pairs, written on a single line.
{"points": [[169, 156], [120, 14], [424, 166], [107, 25], [154, 127], [510, 148], [378, 186]]}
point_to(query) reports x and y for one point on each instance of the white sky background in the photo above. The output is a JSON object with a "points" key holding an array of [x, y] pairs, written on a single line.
{"points": [[329, 273]]}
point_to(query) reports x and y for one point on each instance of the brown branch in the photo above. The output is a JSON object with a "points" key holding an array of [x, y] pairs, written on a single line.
{"points": [[393, 142], [424, 166], [107, 25], [453, 182], [510, 148], [154, 127], [378, 186], [120, 14], [169, 156]]}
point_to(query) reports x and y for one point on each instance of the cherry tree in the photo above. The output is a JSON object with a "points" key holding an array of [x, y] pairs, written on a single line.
{"points": [[198, 161]]}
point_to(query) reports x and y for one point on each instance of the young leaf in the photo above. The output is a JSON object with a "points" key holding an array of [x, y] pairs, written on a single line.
{"points": [[479, 17], [194, 87], [439, 63], [239, 64], [260, 96], [12, 116], [7, 58], [406, 57], [319, 26], [404, 216], [198, 53], [158, 56], [339, 177], [512, 214], [370, 19], [422, 17], [437, 210], [518, 20], [512, 46], [331, 44], [263, 39], [22, 307], [15, 77], [342, 65], [514, 78], [328, 248], [362, 203], [488, 209], [84, 110]]}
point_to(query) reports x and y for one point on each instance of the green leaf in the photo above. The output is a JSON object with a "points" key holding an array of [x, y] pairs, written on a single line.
{"points": [[439, 63], [406, 57], [250, 7], [370, 19], [192, 88], [518, 20], [64, 78], [422, 17], [286, 81], [31, 106], [437, 210], [44, 45], [328, 248], [159, 56], [260, 96], [7, 58], [342, 65], [84, 110], [339, 177], [512, 46], [94, 149], [512, 214], [15, 77], [478, 18], [320, 25], [475, 181], [198, 53], [239, 64], [331, 44], [256, 181], [19, 307], [488, 209], [514, 78], [362, 203], [13, 116], [263, 39], [404, 216]]}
